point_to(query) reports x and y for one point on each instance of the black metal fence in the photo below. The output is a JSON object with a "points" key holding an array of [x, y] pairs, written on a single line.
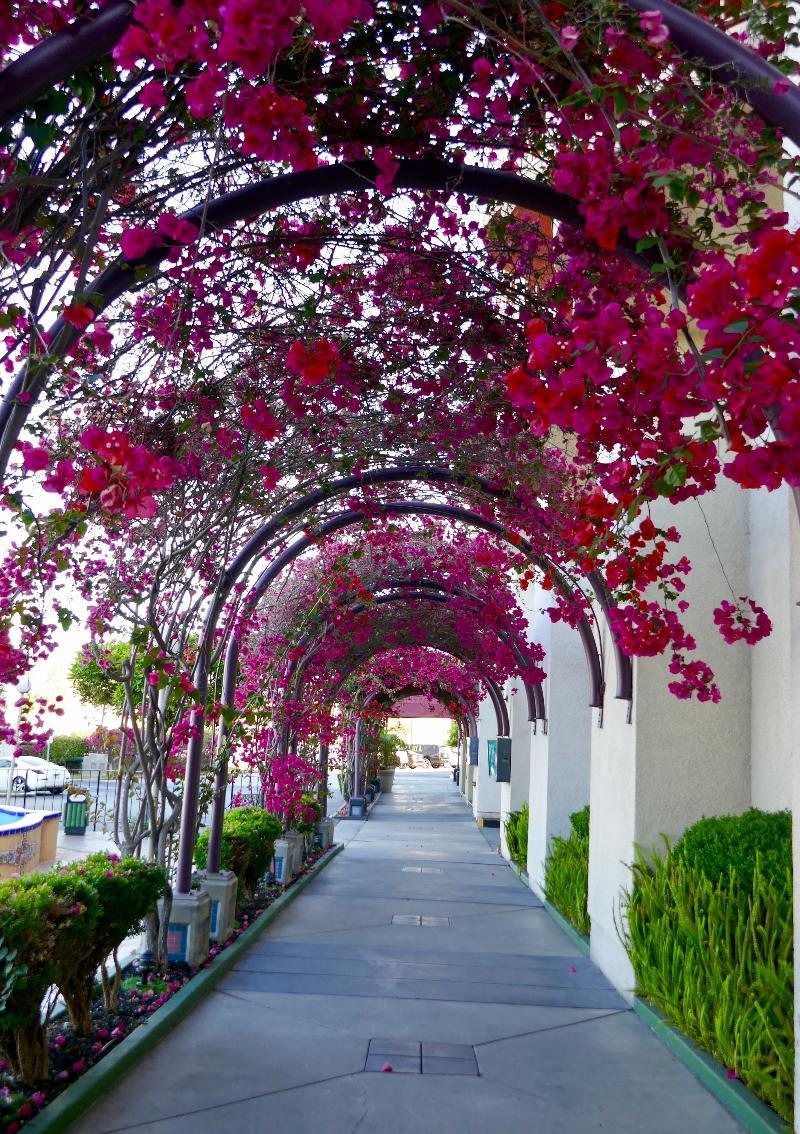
{"points": [[102, 790]]}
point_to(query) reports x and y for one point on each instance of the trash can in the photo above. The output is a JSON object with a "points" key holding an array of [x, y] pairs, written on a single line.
{"points": [[76, 812]]}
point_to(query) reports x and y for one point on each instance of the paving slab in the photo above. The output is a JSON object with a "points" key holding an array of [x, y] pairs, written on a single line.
{"points": [[492, 1021]]}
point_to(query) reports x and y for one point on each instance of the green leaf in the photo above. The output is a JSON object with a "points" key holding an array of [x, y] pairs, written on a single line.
{"points": [[737, 328]]}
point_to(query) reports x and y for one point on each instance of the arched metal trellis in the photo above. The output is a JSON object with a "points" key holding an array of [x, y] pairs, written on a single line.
{"points": [[89, 39]]}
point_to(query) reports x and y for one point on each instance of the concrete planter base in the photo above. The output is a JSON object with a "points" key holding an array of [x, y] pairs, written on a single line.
{"points": [[189, 922], [386, 776], [221, 888]]}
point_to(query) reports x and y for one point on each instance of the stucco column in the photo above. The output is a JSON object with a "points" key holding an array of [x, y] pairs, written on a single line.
{"points": [[677, 760], [514, 794], [486, 790], [559, 763]]}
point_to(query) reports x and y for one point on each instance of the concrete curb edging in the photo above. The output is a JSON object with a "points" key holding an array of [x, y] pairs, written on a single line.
{"points": [[754, 1115], [577, 939], [81, 1094]]}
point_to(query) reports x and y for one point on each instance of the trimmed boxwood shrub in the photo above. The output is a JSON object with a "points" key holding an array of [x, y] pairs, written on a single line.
{"points": [[125, 890], [566, 872], [709, 934], [517, 836], [43, 917], [732, 843], [61, 927], [248, 843]]}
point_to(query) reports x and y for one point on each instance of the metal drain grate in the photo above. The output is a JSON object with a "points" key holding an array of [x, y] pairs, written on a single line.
{"points": [[422, 870], [412, 1057], [419, 919]]}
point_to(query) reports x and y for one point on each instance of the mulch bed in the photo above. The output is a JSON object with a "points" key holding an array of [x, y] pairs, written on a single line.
{"points": [[143, 992]]}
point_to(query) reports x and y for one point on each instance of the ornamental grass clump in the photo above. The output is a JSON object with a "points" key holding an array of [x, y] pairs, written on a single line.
{"points": [[710, 941], [566, 872], [248, 843], [517, 836]]}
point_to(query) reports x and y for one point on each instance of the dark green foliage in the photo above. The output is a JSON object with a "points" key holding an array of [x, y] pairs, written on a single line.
{"points": [[713, 951], [125, 891], [566, 872], [60, 926], [579, 821], [388, 744], [67, 748], [732, 842], [98, 684], [517, 836], [248, 842]]}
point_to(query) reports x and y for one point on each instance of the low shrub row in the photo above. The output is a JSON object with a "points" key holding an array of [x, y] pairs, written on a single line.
{"points": [[517, 836], [566, 872], [58, 929], [710, 939]]}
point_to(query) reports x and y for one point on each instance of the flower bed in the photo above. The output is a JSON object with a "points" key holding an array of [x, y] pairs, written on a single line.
{"points": [[142, 993]]}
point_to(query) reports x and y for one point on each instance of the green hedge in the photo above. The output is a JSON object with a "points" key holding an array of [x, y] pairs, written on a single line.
{"points": [[64, 748], [710, 939], [126, 891], [60, 927], [517, 836], [248, 843], [733, 843], [566, 872]]}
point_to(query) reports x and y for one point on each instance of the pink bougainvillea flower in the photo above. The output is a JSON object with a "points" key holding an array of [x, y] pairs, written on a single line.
{"points": [[569, 36], [35, 458]]}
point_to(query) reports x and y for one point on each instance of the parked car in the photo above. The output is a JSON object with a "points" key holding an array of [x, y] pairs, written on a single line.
{"points": [[32, 774]]}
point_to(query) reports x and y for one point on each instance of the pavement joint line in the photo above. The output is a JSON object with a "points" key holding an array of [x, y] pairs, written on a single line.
{"points": [[232, 1102], [554, 1027], [80, 1095]]}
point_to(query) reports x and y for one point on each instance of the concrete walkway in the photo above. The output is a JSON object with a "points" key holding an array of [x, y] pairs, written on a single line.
{"points": [[417, 948]]}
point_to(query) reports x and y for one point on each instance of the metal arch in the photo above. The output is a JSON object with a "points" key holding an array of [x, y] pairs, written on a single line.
{"points": [[89, 39], [428, 596], [492, 688], [285, 189], [84, 41], [533, 691], [440, 696], [228, 695], [449, 512], [734, 64], [256, 544]]}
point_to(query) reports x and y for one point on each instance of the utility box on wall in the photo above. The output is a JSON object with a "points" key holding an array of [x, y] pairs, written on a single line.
{"points": [[473, 751], [504, 759]]}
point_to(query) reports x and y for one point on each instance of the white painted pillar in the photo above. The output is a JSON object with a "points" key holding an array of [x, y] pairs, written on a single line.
{"points": [[486, 790], [677, 760], [559, 765], [514, 794]]}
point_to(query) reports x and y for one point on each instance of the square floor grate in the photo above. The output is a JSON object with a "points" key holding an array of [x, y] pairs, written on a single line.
{"points": [[419, 919], [412, 1057]]}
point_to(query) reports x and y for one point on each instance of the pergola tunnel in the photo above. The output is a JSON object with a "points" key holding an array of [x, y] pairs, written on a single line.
{"points": [[362, 355]]}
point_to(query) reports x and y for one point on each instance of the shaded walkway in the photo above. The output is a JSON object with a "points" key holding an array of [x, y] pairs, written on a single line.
{"points": [[419, 948]]}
